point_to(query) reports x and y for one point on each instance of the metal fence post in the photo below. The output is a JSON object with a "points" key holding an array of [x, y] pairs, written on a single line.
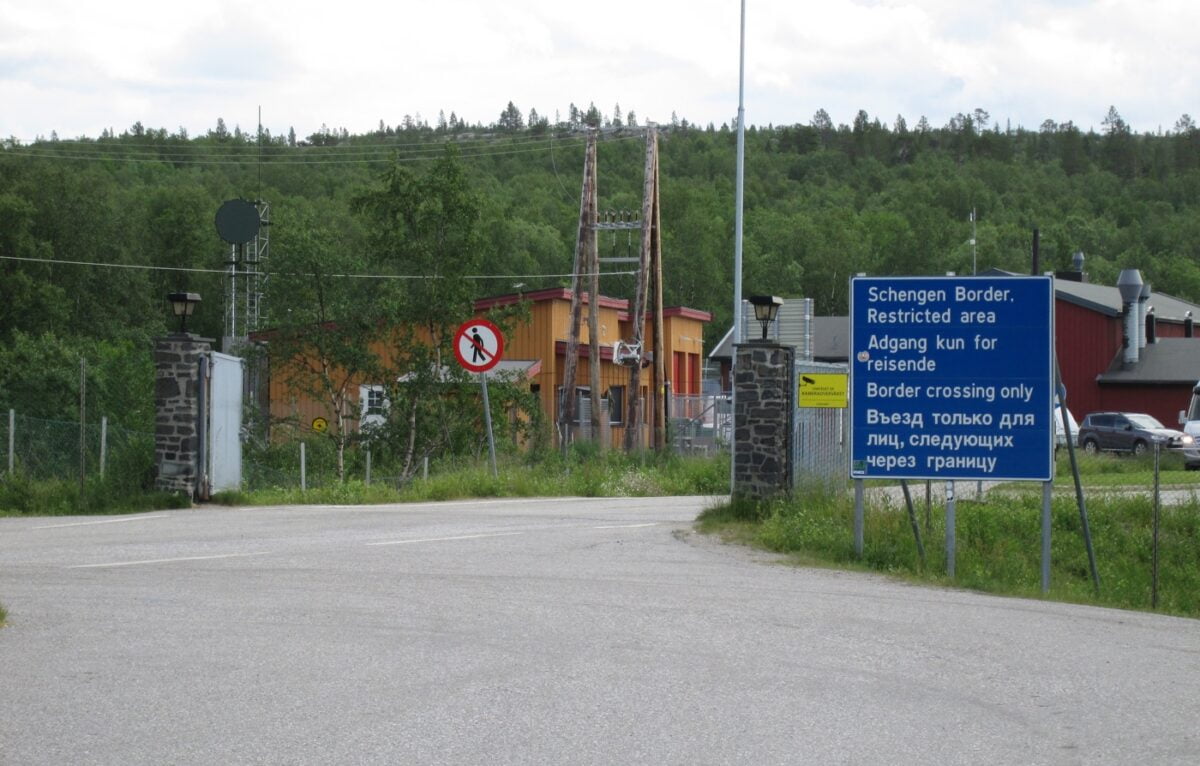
{"points": [[302, 476], [368, 476], [103, 443], [1154, 553], [12, 429], [858, 518], [1047, 496]]}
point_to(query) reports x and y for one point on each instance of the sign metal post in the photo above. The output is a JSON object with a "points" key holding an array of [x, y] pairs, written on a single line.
{"points": [[479, 345]]}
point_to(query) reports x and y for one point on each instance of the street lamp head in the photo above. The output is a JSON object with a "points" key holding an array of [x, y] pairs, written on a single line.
{"points": [[182, 305], [766, 307]]}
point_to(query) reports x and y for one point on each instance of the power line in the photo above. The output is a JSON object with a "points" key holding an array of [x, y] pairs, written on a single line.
{"points": [[253, 159], [126, 142], [324, 155], [144, 267], [296, 273], [239, 150]]}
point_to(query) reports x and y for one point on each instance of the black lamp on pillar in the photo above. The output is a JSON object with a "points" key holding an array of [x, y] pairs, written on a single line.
{"points": [[183, 304], [766, 307]]}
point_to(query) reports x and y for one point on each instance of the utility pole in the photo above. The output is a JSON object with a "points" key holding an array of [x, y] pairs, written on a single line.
{"points": [[584, 244], [593, 269], [974, 270], [648, 265], [660, 362]]}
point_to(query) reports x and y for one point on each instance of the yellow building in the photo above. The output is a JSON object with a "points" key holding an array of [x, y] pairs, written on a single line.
{"points": [[537, 348], [544, 339]]}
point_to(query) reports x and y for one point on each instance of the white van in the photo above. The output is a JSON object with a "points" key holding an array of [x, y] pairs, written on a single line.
{"points": [[1189, 423], [1060, 433]]}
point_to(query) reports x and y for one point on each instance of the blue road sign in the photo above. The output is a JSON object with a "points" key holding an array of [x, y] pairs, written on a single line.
{"points": [[952, 378]]}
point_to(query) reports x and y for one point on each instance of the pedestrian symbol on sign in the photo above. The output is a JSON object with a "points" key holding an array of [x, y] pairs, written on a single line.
{"points": [[478, 345]]}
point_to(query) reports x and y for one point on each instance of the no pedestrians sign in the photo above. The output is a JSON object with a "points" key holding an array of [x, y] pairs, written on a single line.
{"points": [[478, 345]]}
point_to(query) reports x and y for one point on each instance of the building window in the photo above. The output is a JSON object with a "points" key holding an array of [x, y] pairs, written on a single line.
{"points": [[581, 395], [616, 405], [375, 401], [373, 406]]}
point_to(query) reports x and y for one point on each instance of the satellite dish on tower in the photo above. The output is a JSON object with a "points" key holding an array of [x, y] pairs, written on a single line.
{"points": [[237, 221]]}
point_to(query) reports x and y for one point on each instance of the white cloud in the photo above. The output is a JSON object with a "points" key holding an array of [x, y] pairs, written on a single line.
{"points": [[78, 68]]}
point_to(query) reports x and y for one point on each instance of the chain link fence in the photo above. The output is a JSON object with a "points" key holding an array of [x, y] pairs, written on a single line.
{"points": [[313, 465], [41, 449], [62, 450], [701, 424]]}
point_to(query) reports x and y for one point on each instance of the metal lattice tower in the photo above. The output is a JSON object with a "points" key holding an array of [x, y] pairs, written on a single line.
{"points": [[246, 275]]}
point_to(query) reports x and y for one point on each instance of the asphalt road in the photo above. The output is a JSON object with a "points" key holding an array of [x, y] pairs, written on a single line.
{"points": [[565, 631]]}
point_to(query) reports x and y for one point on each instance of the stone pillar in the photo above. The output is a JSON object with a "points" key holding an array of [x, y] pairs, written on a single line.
{"points": [[177, 411], [763, 419]]}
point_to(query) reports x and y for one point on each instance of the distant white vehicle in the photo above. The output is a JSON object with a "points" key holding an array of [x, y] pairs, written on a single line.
{"points": [[1060, 432], [1189, 423]]}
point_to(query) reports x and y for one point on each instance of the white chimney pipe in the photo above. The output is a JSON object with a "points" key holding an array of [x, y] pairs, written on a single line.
{"points": [[1143, 300], [1130, 284]]}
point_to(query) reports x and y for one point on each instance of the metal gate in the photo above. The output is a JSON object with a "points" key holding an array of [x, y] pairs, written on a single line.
{"points": [[222, 461]]}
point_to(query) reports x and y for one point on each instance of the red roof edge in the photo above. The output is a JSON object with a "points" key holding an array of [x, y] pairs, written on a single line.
{"points": [[549, 294], [687, 313], [585, 350]]}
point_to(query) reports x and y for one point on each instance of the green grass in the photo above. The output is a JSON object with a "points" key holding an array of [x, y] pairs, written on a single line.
{"points": [[3, 616], [22, 496], [998, 544], [585, 472], [1124, 470]]}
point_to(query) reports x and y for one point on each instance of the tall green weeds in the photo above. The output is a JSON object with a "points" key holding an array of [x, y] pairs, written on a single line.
{"points": [[584, 471], [23, 496]]}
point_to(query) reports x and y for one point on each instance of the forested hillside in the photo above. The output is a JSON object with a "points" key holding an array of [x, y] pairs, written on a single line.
{"points": [[822, 203]]}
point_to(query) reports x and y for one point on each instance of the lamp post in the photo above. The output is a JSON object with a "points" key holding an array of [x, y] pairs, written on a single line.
{"points": [[766, 307], [183, 304]]}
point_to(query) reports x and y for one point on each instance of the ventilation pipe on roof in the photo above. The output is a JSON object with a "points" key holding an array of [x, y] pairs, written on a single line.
{"points": [[1189, 327], [1143, 302], [1130, 285], [1151, 326]]}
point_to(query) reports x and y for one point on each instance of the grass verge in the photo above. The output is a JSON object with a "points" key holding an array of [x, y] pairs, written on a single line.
{"points": [[1109, 469], [22, 496], [998, 543], [585, 472]]}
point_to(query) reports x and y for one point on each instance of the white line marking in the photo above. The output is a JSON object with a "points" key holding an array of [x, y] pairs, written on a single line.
{"points": [[629, 526], [167, 561], [105, 521], [440, 539]]}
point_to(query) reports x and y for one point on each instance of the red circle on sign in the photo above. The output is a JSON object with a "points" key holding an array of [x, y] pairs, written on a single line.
{"points": [[478, 345]]}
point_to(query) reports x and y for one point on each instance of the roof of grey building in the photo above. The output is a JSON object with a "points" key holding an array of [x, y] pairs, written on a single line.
{"points": [[1170, 361], [830, 340], [1106, 299]]}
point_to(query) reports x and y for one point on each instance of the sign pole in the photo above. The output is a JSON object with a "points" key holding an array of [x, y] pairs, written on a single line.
{"points": [[487, 419], [950, 541], [912, 520], [478, 346]]}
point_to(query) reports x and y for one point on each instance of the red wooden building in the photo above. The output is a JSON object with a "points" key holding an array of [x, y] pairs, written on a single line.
{"points": [[1158, 374]]}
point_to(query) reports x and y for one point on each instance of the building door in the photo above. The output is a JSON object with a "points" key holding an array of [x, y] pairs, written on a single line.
{"points": [[224, 423]]}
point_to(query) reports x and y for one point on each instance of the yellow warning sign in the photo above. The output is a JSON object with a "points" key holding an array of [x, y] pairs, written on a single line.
{"points": [[320, 425], [823, 389]]}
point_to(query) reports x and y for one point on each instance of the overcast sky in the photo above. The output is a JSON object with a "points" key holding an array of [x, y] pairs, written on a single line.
{"points": [[79, 67]]}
